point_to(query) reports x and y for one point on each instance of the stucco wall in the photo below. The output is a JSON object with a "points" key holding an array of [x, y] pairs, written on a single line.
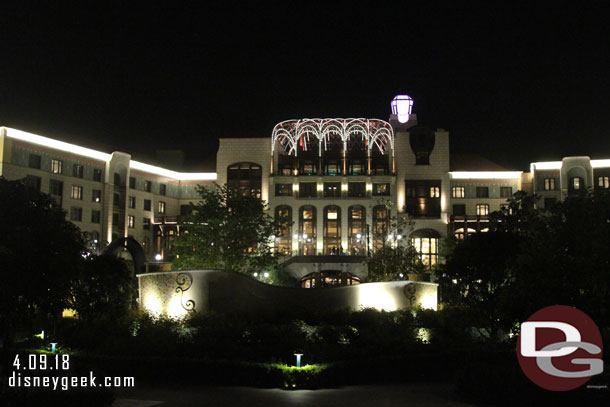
{"points": [[174, 293]]}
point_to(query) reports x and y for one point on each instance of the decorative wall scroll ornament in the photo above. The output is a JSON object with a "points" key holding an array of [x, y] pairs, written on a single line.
{"points": [[560, 348], [308, 134], [184, 281], [410, 293]]}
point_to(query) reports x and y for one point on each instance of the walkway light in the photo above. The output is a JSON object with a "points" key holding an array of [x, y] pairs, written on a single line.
{"points": [[53, 345], [266, 274], [158, 257]]}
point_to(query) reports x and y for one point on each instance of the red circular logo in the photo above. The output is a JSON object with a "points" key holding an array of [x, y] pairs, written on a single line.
{"points": [[559, 348]]}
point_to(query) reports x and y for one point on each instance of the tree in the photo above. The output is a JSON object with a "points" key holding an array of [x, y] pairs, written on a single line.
{"points": [[40, 253], [226, 230], [105, 288], [396, 254], [534, 258]]}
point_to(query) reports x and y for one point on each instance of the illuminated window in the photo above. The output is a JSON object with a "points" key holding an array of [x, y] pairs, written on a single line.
{"points": [[332, 230], [549, 184], [381, 189], [56, 166], [283, 241], [283, 189], [506, 192], [357, 230], [97, 175], [603, 182], [77, 192], [307, 230], [162, 189], [576, 185], [77, 170], [34, 161], [427, 247], [482, 209], [332, 189], [131, 221], [458, 192], [380, 226], [96, 216], [132, 202], [161, 207], [462, 234], [482, 192], [435, 192], [76, 214]]}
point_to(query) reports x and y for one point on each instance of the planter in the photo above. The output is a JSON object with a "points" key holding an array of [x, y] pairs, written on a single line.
{"points": [[419, 277]]}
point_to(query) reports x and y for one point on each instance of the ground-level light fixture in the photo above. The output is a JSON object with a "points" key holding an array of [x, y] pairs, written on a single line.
{"points": [[255, 274], [266, 274], [53, 347], [158, 257]]}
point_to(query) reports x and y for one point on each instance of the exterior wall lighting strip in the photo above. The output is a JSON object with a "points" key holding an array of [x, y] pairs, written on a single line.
{"points": [[485, 174]]}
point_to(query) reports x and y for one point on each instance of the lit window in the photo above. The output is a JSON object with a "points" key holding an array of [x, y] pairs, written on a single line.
{"points": [[482, 209], [77, 192], [283, 242], [332, 230], [56, 166], [427, 247], [435, 192], [549, 184], [96, 195], [307, 231], [132, 202], [77, 170], [76, 214], [161, 207], [332, 189], [457, 192], [356, 231], [131, 221], [576, 183], [603, 182]]}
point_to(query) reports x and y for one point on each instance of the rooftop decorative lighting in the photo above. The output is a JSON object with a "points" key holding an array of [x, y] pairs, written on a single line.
{"points": [[547, 165], [292, 134], [401, 107]]}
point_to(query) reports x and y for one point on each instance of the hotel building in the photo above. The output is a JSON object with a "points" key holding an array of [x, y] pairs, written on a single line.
{"points": [[343, 182]]}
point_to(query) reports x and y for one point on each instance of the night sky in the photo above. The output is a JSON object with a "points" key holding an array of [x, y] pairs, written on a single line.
{"points": [[513, 84]]}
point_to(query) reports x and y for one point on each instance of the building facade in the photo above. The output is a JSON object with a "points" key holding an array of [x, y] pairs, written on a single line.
{"points": [[343, 184]]}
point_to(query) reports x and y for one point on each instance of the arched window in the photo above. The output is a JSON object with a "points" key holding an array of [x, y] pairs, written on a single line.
{"points": [[357, 230], [307, 230], [283, 242], [380, 226], [426, 242], [576, 185], [332, 230], [246, 177]]}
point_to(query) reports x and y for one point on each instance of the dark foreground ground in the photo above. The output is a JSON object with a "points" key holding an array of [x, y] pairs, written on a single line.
{"points": [[417, 394]]}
